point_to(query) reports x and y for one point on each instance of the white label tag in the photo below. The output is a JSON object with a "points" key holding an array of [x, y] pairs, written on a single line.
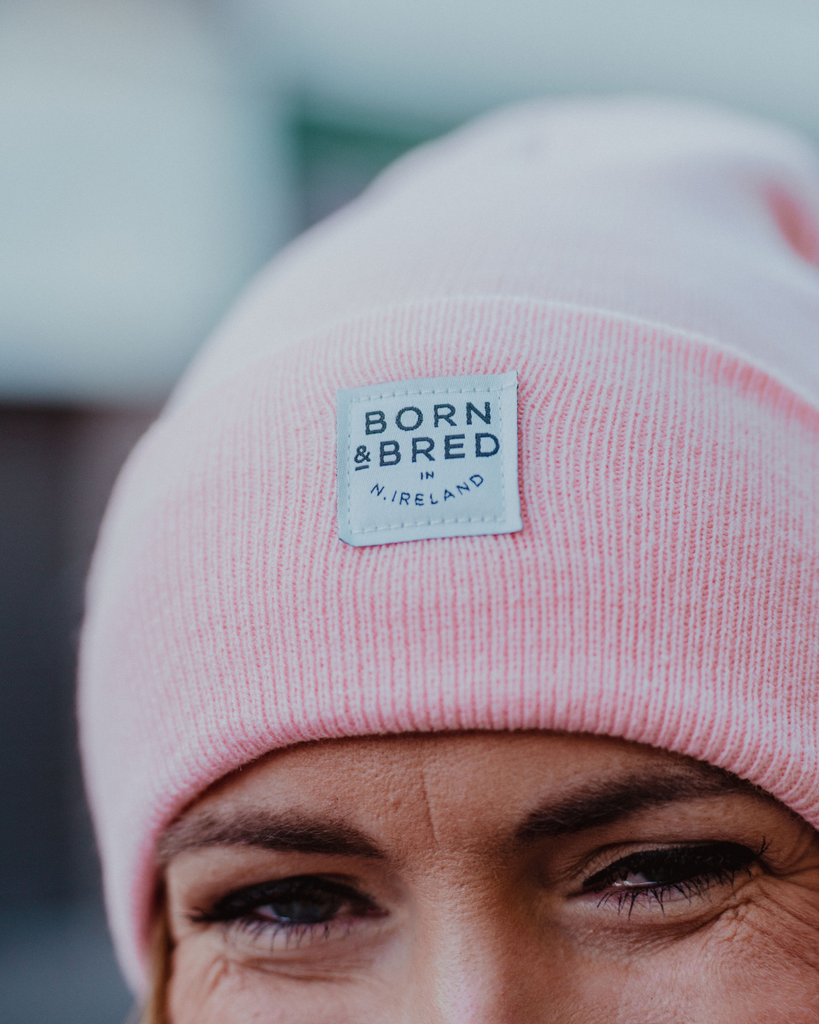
{"points": [[428, 458]]}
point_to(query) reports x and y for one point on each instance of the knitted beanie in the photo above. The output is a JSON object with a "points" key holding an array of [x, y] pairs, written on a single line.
{"points": [[527, 437]]}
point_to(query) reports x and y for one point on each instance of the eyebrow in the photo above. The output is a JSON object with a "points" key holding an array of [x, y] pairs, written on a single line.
{"points": [[583, 809], [605, 803], [291, 833]]}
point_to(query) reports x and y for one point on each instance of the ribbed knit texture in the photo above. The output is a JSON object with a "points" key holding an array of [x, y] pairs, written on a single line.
{"points": [[646, 268]]}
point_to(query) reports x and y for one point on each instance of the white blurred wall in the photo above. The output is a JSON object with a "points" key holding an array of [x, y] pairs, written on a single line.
{"points": [[140, 184], [143, 151], [452, 58]]}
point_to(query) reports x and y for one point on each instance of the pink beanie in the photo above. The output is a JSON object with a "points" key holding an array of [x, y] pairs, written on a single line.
{"points": [[647, 567]]}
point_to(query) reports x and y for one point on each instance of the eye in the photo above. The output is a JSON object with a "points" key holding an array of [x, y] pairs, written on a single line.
{"points": [[665, 873], [295, 907]]}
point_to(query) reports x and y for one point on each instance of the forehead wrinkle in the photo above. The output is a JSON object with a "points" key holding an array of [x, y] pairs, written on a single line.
{"points": [[295, 833], [604, 803]]}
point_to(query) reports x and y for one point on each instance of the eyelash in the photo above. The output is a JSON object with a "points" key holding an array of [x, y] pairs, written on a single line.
{"points": [[690, 872], [697, 869], [241, 909]]}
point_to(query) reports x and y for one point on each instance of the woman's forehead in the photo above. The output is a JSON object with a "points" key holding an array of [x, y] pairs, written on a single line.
{"points": [[496, 755], [401, 763], [336, 796]]}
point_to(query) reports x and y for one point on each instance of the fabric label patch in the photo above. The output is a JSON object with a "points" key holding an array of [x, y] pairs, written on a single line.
{"points": [[428, 458]]}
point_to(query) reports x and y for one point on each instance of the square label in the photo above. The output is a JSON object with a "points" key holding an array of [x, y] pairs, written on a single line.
{"points": [[428, 458]]}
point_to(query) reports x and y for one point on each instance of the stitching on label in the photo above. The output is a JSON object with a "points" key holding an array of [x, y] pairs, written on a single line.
{"points": [[505, 429], [436, 391], [346, 459], [433, 522]]}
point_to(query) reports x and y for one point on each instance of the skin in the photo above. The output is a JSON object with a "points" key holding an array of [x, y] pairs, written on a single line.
{"points": [[486, 889]]}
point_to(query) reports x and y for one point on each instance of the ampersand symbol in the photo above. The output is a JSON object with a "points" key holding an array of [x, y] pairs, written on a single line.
{"points": [[361, 454]]}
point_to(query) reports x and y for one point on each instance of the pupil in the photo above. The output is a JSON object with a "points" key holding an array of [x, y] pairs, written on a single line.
{"points": [[312, 911], [681, 867]]}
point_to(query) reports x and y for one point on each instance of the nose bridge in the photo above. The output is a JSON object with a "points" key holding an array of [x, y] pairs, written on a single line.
{"points": [[474, 995], [466, 969]]}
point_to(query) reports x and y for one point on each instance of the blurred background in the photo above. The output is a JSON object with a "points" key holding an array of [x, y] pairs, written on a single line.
{"points": [[153, 155]]}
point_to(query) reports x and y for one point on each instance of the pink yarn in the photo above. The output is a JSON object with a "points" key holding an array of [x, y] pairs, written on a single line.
{"points": [[646, 268]]}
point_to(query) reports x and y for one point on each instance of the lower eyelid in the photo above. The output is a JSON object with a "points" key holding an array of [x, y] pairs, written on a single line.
{"points": [[275, 938], [688, 891]]}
